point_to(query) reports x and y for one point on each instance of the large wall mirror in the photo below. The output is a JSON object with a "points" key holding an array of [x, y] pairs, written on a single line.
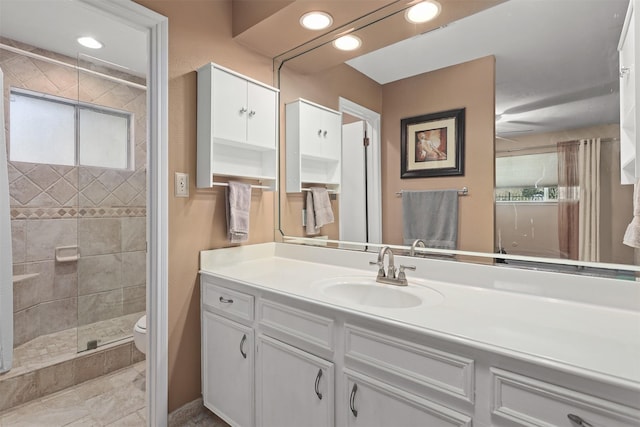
{"points": [[538, 82]]}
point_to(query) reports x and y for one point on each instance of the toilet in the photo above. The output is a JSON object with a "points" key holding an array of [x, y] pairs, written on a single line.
{"points": [[140, 334]]}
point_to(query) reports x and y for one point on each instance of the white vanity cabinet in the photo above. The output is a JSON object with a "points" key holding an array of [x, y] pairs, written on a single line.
{"points": [[314, 145], [294, 387], [227, 354], [237, 122], [321, 365]]}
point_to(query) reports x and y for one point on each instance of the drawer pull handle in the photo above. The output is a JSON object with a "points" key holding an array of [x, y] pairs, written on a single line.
{"points": [[226, 301], [244, 338], [317, 384], [352, 400], [578, 421]]}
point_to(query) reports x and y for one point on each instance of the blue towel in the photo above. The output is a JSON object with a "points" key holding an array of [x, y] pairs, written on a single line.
{"points": [[431, 216]]}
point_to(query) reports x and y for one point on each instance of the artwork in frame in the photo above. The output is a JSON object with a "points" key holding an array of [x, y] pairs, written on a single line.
{"points": [[432, 145]]}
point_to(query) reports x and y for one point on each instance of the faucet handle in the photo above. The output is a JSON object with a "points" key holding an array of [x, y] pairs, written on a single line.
{"points": [[380, 267], [401, 275]]}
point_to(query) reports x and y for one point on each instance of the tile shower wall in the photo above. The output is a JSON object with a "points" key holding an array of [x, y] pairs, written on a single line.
{"points": [[101, 210]]}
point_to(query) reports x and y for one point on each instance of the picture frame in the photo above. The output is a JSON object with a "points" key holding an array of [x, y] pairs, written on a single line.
{"points": [[432, 145]]}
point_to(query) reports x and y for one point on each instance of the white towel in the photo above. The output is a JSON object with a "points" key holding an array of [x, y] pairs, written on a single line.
{"points": [[632, 235], [319, 210], [238, 207]]}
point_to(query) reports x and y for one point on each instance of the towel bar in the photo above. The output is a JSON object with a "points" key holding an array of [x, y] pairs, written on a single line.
{"points": [[462, 192], [226, 184]]}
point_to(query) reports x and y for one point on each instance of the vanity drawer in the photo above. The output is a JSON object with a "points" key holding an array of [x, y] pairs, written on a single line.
{"points": [[379, 354], [302, 329], [227, 302], [531, 402]]}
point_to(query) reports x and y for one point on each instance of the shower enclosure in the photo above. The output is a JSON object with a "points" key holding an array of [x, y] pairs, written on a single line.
{"points": [[76, 163]]}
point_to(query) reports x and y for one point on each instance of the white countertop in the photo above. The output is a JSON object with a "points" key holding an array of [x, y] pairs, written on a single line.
{"points": [[598, 341]]}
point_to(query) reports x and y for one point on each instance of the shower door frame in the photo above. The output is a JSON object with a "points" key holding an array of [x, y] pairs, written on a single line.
{"points": [[156, 27]]}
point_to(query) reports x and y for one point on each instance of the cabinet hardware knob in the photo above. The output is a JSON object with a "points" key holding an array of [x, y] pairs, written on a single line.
{"points": [[352, 400], [578, 420], [317, 384], [252, 113], [319, 132], [244, 338], [243, 110], [226, 301], [324, 134]]}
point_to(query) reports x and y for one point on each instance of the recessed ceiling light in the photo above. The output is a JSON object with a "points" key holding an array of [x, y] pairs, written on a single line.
{"points": [[348, 42], [316, 20], [90, 42], [423, 12]]}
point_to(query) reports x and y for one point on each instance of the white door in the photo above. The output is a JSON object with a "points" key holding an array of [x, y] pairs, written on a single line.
{"points": [[371, 403], [261, 117], [353, 192], [229, 110], [294, 388], [227, 369]]}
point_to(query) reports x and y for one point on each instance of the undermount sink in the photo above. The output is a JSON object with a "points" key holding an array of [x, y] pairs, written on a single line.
{"points": [[366, 291]]}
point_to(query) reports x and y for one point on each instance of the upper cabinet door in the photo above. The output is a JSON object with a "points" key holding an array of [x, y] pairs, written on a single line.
{"points": [[332, 134], [311, 128], [629, 94], [230, 107], [262, 116]]}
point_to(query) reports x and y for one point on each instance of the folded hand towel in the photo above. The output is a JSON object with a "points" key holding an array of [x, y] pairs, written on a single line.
{"points": [[632, 235], [321, 206], [238, 208], [319, 211], [431, 216], [311, 229]]}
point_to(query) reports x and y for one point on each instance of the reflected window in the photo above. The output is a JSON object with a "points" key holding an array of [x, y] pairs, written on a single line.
{"points": [[52, 130], [527, 178]]}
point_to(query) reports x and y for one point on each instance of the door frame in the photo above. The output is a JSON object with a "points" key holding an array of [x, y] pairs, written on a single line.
{"points": [[374, 178]]}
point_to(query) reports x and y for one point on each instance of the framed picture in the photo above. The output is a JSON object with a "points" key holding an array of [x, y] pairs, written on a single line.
{"points": [[432, 145]]}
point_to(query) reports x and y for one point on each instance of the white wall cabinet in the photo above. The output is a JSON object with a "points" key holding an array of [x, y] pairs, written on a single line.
{"points": [[319, 366], [629, 95], [314, 145], [237, 123], [294, 387]]}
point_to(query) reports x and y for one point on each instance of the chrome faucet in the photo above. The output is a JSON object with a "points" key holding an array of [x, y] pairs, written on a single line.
{"points": [[389, 277], [416, 243]]}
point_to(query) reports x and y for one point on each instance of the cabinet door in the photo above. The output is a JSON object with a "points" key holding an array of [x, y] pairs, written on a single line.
{"points": [[262, 116], [371, 403], [230, 107], [294, 388], [311, 128], [227, 369], [331, 135]]}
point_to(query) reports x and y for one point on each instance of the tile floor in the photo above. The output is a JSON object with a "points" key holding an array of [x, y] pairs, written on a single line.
{"points": [[116, 399]]}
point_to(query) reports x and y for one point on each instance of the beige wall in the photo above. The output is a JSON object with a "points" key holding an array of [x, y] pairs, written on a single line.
{"points": [[471, 86], [325, 89], [199, 32]]}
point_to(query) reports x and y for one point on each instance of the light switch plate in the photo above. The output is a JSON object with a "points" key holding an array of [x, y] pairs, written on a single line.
{"points": [[182, 184]]}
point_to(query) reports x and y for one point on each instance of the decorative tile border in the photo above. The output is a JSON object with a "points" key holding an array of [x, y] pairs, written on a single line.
{"points": [[78, 212]]}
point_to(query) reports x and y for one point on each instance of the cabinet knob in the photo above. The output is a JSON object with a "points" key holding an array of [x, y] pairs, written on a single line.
{"points": [[319, 132], [352, 400], [252, 113], [577, 420], [243, 110], [317, 384], [324, 134], [242, 352]]}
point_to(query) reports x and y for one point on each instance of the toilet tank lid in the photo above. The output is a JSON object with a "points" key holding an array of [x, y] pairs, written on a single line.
{"points": [[142, 322]]}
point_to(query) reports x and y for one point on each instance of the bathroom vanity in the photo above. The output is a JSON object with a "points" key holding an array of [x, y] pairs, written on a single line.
{"points": [[297, 335]]}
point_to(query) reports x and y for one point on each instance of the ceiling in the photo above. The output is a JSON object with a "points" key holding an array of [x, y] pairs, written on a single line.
{"points": [[56, 24], [556, 60]]}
